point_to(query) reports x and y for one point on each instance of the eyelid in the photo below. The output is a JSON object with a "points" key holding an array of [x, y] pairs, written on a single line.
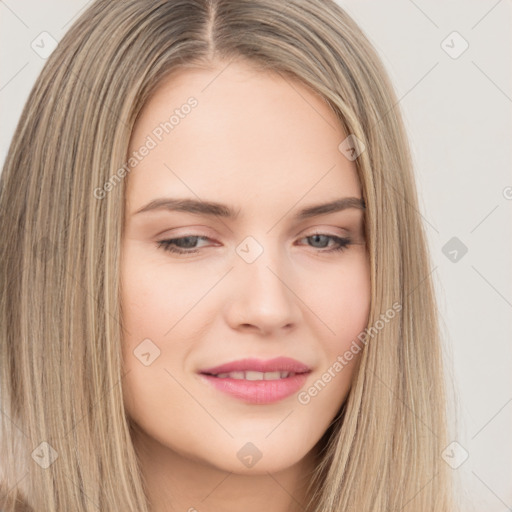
{"points": [[203, 232], [185, 231], [336, 231]]}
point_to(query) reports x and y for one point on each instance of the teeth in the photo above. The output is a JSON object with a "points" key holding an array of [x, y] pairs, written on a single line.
{"points": [[252, 375]]}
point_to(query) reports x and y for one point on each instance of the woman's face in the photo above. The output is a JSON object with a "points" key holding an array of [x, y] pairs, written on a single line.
{"points": [[253, 279]]}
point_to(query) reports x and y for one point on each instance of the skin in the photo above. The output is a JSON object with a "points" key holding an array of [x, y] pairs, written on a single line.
{"points": [[266, 146]]}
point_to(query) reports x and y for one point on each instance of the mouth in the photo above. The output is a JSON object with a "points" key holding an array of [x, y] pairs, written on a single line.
{"points": [[254, 375], [258, 382], [252, 368]]}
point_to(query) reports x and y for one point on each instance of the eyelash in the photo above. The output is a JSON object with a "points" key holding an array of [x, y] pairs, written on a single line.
{"points": [[167, 245]]}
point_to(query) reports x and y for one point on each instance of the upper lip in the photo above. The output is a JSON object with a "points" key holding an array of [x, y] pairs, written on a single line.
{"points": [[282, 364]]}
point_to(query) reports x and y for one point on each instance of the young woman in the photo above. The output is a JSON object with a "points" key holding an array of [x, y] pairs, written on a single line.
{"points": [[216, 286]]}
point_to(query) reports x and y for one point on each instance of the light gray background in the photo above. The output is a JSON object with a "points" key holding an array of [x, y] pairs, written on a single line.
{"points": [[458, 115]]}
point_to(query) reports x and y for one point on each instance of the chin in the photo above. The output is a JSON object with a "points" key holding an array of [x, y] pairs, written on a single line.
{"points": [[256, 455]]}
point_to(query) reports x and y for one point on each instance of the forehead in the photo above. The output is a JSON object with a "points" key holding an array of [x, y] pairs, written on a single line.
{"points": [[248, 134]]}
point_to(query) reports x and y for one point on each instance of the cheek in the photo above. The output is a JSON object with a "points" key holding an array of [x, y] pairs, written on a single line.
{"points": [[344, 308], [342, 300], [155, 296], [158, 305], [153, 301], [145, 305]]}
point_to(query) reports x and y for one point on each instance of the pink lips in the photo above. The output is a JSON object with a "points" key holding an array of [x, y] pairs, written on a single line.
{"points": [[258, 391], [281, 364]]}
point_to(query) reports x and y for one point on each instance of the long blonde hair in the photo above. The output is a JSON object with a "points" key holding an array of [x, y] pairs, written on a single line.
{"points": [[66, 443]]}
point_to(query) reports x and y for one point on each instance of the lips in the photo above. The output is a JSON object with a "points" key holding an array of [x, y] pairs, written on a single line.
{"points": [[278, 364], [258, 382]]}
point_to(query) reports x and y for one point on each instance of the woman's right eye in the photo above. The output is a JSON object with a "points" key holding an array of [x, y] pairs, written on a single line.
{"points": [[181, 245]]}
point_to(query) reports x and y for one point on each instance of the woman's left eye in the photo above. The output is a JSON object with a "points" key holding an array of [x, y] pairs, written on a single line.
{"points": [[186, 244], [340, 243]]}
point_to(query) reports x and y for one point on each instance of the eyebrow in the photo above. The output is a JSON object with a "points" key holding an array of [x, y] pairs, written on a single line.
{"points": [[218, 209]]}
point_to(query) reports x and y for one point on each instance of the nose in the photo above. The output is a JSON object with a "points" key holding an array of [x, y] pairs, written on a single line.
{"points": [[262, 298]]}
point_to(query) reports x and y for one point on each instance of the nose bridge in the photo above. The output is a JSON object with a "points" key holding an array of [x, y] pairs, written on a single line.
{"points": [[265, 298], [260, 262]]}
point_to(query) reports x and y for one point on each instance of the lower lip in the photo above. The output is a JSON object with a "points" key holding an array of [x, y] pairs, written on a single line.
{"points": [[258, 391]]}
